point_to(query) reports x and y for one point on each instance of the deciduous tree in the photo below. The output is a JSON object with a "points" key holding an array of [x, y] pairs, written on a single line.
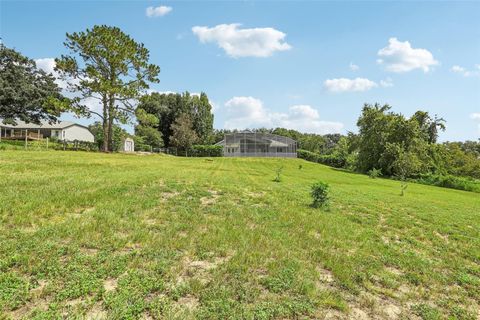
{"points": [[26, 92]]}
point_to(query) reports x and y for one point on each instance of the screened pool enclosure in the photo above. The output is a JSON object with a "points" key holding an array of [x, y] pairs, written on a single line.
{"points": [[252, 144]]}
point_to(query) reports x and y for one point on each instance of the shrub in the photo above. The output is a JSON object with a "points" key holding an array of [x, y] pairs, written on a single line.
{"points": [[449, 181], [374, 173], [331, 160], [320, 195], [278, 173], [205, 151]]}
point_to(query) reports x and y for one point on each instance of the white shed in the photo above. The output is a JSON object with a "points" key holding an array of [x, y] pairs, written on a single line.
{"points": [[128, 145]]}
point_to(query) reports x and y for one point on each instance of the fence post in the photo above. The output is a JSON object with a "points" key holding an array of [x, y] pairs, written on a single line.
{"points": [[26, 134], [47, 143]]}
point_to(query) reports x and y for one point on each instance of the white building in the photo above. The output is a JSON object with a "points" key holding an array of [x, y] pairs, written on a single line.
{"points": [[62, 130], [128, 145]]}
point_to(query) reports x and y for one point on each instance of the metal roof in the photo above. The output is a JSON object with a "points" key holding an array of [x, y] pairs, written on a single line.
{"points": [[44, 125]]}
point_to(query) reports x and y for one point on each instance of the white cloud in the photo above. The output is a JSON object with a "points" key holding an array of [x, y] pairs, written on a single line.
{"points": [[401, 57], [249, 112], [246, 112], [237, 42], [466, 73], [348, 85], [387, 83], [159, 11], [48, 65], [354, 67]]}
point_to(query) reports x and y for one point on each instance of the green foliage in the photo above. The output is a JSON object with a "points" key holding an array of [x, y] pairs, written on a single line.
{"points": [[319, 193], [278, 174], [205, 151], [26, 92], [374, 173], [183, 135], [426, 312], [258, 250], [168, 107], [450, 181], [118, 134], [333, 160], [107, 64], [13, 290]]}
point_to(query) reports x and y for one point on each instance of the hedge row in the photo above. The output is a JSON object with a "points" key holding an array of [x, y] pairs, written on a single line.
{"points": [[449, 181], [205, 151], [327, 159]]}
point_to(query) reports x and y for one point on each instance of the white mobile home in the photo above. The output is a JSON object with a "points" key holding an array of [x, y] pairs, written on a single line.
{"points": [[62, 130]]}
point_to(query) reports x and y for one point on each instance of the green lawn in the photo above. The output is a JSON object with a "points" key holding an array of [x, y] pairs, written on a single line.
{"points": [[88, 235]]}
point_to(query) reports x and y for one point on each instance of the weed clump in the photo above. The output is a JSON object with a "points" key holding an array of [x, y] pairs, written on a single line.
{"points": [[374, 173], [278, 174], [320, 195]]}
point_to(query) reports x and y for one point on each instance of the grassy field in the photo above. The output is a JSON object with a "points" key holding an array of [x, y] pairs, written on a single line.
{"points": [[88, 235]]}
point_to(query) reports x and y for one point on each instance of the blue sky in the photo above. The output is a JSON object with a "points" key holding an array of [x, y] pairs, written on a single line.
{"points": [[309, 66]]}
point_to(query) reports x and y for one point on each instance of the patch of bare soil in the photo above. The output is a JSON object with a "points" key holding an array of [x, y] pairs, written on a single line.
{"points": [[188, 302], [110, 284], [395, 271], [325, 279], [164, 196], [199, 269], [256, 194], [36, 292], [35, 302], [206, 201], [441, 236], [22, 312], [96, 313], [89, 251], [81, 211]]}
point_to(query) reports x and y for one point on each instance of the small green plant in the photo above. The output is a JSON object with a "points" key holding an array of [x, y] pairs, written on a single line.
{"points": [[300, 167], [374, 173], [403, 187], [278, 174], [319, 194]]}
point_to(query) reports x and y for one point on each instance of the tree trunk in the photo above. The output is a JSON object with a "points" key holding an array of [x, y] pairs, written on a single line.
{"points": [[105, 124], [110, 122]]}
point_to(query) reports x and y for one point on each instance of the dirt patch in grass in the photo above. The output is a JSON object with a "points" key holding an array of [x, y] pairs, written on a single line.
{"points": [[35, 302], [256, 194], [96, 312], [394, 271], [325, 279], [89, 251], [22, 312], [441, 236], [36, 292], [110, 284], [188, 302], [212, 199], [199, 269], [164, 196]]}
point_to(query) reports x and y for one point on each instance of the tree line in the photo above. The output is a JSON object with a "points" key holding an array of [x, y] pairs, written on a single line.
{"points": [[106, 65]]}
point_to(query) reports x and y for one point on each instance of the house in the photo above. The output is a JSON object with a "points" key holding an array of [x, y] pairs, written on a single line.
{"points": [[253, 144], [128, 145], [61, 130]]}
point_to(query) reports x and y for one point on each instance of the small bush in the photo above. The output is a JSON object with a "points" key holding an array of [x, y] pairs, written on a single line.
{"points": [[320, 195], [374, 173], [278, 173]]}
